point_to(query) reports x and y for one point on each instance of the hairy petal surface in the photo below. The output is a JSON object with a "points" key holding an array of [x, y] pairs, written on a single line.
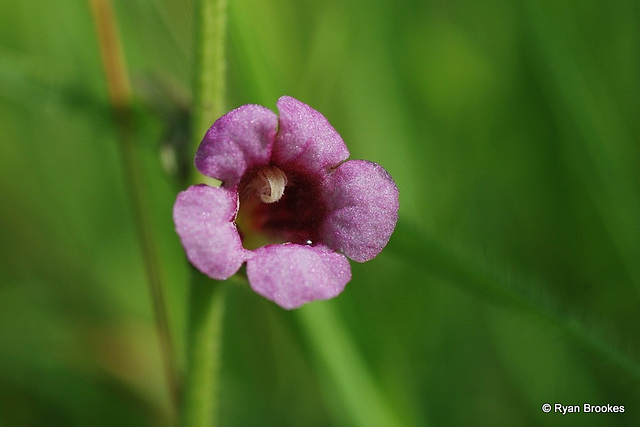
{"points": [[362, 201], [305, 140], [204, 218], [237, 141], [291, 275]]}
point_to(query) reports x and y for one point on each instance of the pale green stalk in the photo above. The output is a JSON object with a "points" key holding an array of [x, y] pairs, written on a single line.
{"points": [[209, 73], [343, 367], [199, 406]]}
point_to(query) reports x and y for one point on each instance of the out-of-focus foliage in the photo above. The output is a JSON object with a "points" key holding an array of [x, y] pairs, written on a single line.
{"points": [[510, 127]]}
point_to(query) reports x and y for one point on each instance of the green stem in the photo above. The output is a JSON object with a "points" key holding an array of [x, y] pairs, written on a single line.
{"points": [[209, 75], [199, 407], [343, 366]]}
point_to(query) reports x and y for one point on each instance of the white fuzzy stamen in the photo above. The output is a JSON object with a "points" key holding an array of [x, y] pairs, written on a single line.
{"points": [[269, 184]]}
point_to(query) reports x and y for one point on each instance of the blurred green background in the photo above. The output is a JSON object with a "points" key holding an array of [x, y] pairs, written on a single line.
{"points": [[510, 127]]}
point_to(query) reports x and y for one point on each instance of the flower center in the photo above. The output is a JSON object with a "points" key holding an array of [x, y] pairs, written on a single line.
{"points": [[268, 214], [268, 184]]}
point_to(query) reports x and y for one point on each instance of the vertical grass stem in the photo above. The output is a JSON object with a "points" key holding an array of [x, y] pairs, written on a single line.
{"points": [[199, 406], [120, 99]]}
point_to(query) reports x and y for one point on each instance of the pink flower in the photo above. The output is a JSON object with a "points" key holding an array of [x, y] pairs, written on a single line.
{"points": [[290, 206]]}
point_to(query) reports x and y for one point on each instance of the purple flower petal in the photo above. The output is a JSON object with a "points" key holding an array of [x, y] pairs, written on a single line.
{"points": [[305, 138], [292, 275], [236, 142], [204, 218], [362, 202]]}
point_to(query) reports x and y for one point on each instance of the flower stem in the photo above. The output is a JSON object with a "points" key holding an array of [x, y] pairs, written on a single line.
{"points": [[209, 75], [199, 407], [120, 98]]}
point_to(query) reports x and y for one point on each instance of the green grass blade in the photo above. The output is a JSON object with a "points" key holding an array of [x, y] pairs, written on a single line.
{"points": [[434, 259], [339, 358]]}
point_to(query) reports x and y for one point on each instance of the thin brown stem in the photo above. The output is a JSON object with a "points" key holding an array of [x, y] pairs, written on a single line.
{"points": [[120, 98]]}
